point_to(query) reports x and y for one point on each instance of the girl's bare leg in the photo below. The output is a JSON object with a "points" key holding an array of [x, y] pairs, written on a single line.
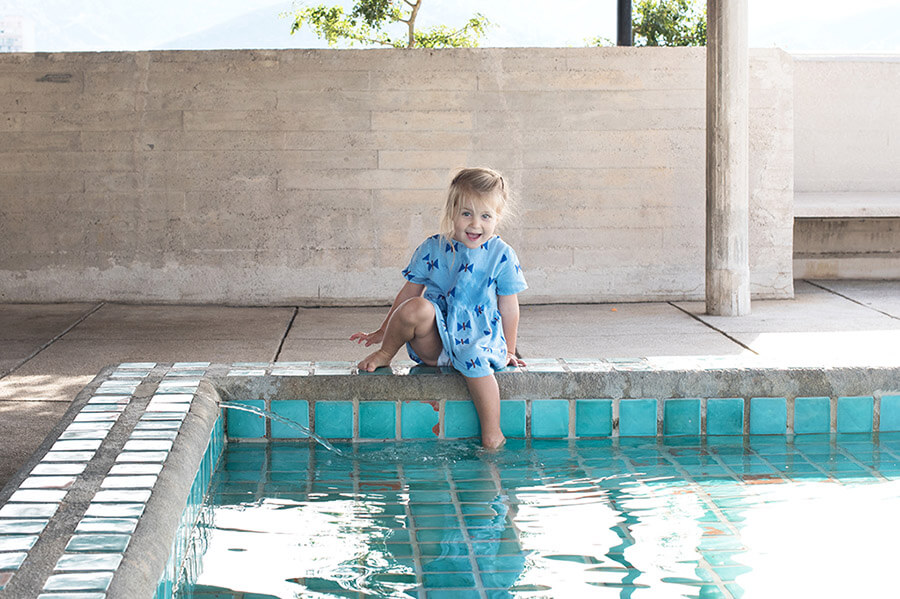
{"points": [[412, 322], [486, 396]]}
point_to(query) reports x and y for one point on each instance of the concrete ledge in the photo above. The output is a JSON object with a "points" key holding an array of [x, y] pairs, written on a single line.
{"points": [[847, 204]]}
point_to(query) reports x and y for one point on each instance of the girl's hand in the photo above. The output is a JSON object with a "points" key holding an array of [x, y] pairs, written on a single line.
{"points": [[514, 361], [368, 338]]}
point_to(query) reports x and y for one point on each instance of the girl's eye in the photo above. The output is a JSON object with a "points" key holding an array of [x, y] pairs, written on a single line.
{"points": [[486, 216]]}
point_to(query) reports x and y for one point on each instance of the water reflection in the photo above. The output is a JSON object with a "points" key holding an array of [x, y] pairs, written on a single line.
{"points": [[553, 519]]}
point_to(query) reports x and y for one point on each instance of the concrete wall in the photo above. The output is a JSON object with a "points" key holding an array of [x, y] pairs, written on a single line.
{"points": [[847, 124], [261, 177], [847, 167]]}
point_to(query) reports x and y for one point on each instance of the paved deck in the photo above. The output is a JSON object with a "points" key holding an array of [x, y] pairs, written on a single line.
{"points": [[48, 352]]}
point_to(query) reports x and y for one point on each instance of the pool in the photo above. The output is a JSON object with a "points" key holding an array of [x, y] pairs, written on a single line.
{"points": [[816, 516], [106, 508]]}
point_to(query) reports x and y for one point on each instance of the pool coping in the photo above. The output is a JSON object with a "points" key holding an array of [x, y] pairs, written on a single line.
{"points": [[150, 546]]}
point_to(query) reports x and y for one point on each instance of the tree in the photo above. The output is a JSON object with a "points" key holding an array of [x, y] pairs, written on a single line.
{"points": [[666, 23], [369, 20]]}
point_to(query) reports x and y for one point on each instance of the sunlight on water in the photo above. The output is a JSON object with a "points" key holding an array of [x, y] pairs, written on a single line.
{"points": [[552, 519]]}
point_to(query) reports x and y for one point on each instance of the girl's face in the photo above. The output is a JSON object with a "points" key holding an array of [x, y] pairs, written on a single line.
{"points": [[476, 221]]}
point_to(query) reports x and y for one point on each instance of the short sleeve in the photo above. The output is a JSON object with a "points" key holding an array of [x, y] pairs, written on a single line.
{"points": [[510, 279], [424, 260]]}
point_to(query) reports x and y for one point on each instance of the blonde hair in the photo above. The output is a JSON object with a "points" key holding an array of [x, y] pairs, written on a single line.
{"points": [[478, 184]]}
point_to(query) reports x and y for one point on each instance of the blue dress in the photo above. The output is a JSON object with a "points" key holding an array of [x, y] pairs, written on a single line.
{"points": [[463, 285]]}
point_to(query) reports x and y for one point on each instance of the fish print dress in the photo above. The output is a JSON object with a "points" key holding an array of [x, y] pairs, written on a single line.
{"points": [[463, 285]]}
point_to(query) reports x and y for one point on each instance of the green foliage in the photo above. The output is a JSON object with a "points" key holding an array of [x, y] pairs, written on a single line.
{"points": [[665, 23], [369, 20]]}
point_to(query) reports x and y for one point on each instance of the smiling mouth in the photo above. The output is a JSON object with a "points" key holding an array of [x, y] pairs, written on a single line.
{"points": [[473, 236]]}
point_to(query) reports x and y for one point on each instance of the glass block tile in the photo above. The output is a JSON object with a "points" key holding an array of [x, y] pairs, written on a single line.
{"points": [[70, 435], [108, 525], [461, 420], [115, 510], [154, 434], [120, 496], [135, 469], [512, 418], [129, 374], [173, 397], [117, 387], [333, 368], [142, 456], [47, 482], [68, 456], [19, 527], [290, 372], [80, 445], [768, 416], [246, 372], [28, 510], [12, 561], [295, 410], [73, 595], [85, 562], [419, 420], [175, 416], [854, 414], [334, 419], [38, 496], [129, 482], [890, 413], [637, 417], [681, 417], [544, 365], [189, 365], [377, 420], [247, 425], [90, 426], [109, 399], [593, 417], [157, 406], [58, 469], [145, 425], [98, 542], [87, 581], [97, 417], [550, 418], [812, 415], [136, 365], [185, 373], [17, 542], [147, 445]]}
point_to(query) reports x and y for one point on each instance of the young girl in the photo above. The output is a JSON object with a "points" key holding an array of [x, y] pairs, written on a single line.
{"points": [[459, 305]]}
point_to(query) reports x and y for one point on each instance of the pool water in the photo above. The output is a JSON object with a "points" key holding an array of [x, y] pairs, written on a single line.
{"points": [[809, 516]]}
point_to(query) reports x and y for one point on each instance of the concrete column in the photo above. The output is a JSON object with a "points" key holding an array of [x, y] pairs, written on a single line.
{"points": [[727, 149]]}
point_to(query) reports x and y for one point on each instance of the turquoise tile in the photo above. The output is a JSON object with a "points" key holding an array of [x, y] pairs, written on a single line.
{"points": [[549, 418], [377, 420], [240, 424], [725, 416], [637, 417], [295, 410], [334, 419], [419, 420], [512, 418], [768, 416], [681, 417], [854, 414], [812, 415], [890, 413], [461, 420], [593, 417]]}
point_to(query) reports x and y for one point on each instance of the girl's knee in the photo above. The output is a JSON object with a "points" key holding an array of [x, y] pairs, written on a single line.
{"points": [[416, 310]]}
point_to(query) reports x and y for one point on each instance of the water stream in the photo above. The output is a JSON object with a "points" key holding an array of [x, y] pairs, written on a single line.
{"points": [[286, 421]]}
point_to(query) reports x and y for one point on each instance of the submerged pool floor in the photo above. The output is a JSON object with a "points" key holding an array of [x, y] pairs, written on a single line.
{"points": [[812, 516]]}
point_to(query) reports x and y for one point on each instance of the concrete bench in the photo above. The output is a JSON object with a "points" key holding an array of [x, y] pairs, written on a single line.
{"points": [[849, 204]]}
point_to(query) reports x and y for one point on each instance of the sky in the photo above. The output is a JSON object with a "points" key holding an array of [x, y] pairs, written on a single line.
{"points": [[798, 26]]}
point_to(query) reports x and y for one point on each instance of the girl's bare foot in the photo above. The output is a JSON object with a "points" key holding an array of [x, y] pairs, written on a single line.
{"points": [[376, 359], [493, 441]]}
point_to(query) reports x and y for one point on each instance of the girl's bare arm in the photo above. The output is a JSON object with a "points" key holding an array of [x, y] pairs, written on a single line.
{"points": [[509, 316]]}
